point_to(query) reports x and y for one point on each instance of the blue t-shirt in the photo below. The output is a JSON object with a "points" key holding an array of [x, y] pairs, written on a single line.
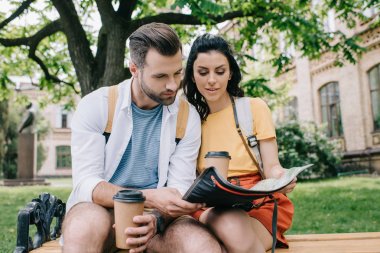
{"points": [[138, 168]]}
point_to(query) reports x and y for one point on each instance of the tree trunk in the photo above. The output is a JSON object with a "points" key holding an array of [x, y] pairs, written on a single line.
{"points": [[108, 67], [113, 72], [3, 127]]}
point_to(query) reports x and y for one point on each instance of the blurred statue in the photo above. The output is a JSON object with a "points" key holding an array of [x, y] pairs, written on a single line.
{"points": [[27, 123], [27, 145], [27, 151]]}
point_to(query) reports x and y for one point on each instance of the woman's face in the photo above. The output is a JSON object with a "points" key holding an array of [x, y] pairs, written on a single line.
{"points": [[211, 75]]}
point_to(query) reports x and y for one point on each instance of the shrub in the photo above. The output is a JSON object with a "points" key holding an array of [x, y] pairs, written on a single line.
{"points": [[8, 138], [9, 160], [303, 144]]}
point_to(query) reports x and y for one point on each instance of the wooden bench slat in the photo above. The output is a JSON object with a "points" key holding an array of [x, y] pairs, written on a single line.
{"points": [[327, 237], [312, 243], [333, 243], [49, 247], [347, 246]]}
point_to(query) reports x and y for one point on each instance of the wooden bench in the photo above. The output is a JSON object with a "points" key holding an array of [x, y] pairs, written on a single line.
{"points": [[313, 243], [49, 207]]}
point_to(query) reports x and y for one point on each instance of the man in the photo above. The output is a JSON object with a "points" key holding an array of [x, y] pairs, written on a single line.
{"points": [[140, 153]]}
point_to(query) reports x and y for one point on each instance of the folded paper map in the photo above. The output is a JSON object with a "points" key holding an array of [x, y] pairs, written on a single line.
{"points": [[275, 184]]}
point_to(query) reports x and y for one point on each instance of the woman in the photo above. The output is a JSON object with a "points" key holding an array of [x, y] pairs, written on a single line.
{"points": [[211, 83]]}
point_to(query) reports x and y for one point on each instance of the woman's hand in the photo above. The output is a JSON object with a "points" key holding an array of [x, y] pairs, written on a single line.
{"points": [[277, 172], [290, 187], [140, 236]]}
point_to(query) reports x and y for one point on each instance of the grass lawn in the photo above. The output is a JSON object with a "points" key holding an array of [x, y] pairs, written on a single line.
{"points": [[14, 198], [343, 205], [330, 206]]}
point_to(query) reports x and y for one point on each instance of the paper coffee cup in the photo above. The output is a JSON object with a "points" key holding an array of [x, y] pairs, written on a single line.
{"points": [[220, 160], [127, 204]]}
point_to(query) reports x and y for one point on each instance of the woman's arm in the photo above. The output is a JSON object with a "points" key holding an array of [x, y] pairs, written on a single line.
{"points": [[271, 163]]}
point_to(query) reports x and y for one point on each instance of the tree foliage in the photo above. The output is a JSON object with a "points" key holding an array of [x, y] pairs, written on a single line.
{"points": [[8, 140], [69, 53]]}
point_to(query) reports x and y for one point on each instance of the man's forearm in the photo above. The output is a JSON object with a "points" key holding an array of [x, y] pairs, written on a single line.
{"points": [[104, 192]]}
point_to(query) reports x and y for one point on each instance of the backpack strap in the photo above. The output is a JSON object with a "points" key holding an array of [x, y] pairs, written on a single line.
{"points": [[112, 99], [244, 125], [182, 117]]}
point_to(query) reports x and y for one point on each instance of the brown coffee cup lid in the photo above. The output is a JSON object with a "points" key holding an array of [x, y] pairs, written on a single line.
{"points": [[224, 154], [129, 196]]}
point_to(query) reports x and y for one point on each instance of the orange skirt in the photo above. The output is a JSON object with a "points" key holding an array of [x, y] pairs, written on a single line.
{"points": [[265, 212]]}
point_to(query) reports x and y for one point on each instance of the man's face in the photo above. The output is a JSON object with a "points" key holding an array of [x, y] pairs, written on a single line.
{"points": [[160, 77]]}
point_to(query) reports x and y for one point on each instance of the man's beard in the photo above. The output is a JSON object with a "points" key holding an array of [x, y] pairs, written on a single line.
{"points": [[156, 97]]}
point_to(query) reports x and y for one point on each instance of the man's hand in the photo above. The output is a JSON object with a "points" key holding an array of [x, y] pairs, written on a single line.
{"points": [[140, 236], [277, 172], [169, 202]]}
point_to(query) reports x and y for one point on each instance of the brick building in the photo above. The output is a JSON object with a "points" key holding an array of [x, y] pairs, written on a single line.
{"points": [[346, 99]]}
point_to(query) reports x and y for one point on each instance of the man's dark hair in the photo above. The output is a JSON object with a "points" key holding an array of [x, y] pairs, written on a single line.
{"points": [[203, 44], [158, 36]]}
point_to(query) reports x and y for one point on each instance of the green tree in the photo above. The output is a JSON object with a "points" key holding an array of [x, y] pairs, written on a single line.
{"points": [[4, 126], [8, 138], [63, 42]]}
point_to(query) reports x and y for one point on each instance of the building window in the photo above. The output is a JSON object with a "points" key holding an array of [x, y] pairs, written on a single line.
{"points": [[64, 120], [329, 95], [63, 157], [291, 110], [374, 83]]}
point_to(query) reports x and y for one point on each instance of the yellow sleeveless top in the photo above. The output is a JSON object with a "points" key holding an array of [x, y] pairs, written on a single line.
{"points": [[219, 134]]}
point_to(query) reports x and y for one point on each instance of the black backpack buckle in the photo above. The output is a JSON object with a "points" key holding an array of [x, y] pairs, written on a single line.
{"points": [[252, 141]]}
